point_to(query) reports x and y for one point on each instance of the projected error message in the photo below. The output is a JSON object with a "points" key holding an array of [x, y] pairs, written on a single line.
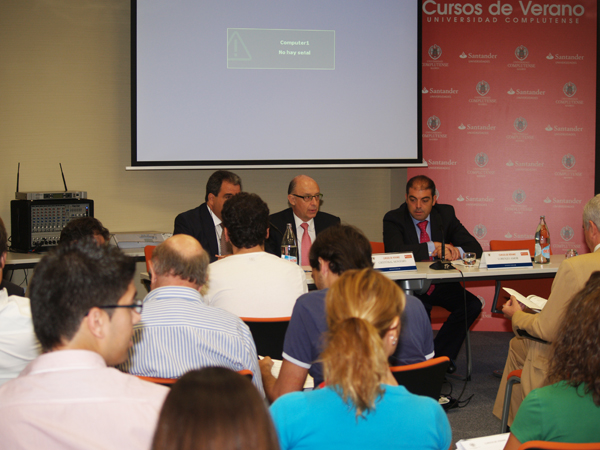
{"points": [[251, 48]]}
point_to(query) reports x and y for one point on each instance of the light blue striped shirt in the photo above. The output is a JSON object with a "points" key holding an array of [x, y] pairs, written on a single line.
{"points": [[178, 333]]}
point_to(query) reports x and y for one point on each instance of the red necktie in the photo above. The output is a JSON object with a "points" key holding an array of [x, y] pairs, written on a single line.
{"points": [[425, 238], [306, 243]]}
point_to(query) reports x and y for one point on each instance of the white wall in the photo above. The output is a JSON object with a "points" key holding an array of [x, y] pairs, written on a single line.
{"points": [[65, 97]]}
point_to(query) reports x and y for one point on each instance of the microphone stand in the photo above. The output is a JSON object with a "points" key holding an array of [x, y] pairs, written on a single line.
{"points": [[442, 264]]}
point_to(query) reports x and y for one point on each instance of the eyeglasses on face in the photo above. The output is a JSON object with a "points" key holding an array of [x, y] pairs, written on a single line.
{"points": [[136, 306], [308, 198]]}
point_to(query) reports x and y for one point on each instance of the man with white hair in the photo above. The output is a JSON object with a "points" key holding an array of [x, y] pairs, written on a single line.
{"points": [[531, 356]]}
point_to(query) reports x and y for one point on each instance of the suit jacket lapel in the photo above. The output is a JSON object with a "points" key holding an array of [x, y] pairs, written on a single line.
{"points": [[208, 227], [411, 235]]}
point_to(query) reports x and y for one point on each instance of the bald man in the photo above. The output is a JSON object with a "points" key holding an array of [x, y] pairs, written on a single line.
{"points": [[178, 331], [304, 197]]}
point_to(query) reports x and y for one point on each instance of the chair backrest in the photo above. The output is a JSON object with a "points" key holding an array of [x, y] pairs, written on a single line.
{"points": [[527, 244], [171, 381], [544, 445], [377, 247], [158, 380], [246, 373], [268, 334], [424, 378], [148, 249]]}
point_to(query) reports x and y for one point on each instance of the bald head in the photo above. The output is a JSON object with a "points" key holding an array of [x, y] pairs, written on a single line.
{"points": [[302, 186], [179, 261]]}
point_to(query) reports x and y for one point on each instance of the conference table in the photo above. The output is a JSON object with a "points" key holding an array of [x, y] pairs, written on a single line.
{"points": [[17, 261], [419, 281]]}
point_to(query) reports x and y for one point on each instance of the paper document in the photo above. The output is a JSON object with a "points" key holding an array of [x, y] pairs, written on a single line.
{"points": [[493, 442], [531, 301], [308, 384]]}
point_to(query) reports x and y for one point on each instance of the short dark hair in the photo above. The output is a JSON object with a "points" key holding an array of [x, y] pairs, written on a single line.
{"points": [[3, 239], [246, 218], [166, 260], [214, 408], [421, 180], [344, 247], [213, 185], [69, 281], [79, 228]]}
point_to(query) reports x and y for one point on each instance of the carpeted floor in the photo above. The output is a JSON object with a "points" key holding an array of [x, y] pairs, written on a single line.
{"points": [[475, 419]]}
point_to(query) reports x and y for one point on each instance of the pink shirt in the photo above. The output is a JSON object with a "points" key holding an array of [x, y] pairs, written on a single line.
{"points": [[70, 399]]}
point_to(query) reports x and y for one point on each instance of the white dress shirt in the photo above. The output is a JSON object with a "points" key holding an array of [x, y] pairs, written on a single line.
{"points": [[18, 344]]}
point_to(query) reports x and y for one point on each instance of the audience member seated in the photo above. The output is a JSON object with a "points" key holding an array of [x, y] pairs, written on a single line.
{"points": [[569, 409], [337, 249], [531, 356], [11, 288], [204, 221], [251, 282], [214, 408], [178, 332], [77, 229], [83, 309], [361, 405], [18, 344], [304, 198]]}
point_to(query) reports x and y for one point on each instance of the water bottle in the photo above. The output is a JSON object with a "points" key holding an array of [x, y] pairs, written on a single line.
{"points": [[542, 243], [289, 248]]}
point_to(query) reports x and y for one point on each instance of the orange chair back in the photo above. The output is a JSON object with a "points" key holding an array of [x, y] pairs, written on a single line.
{"points": [[377, 247], [265, 319], [246, 373], [148, 249], [424, 378], [158, 380], [171, 381], [268, 334], [544, 445], [527, 244]]}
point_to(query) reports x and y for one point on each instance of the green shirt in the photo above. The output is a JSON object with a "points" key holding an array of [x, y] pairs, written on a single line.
{"points": [[558, 413]]}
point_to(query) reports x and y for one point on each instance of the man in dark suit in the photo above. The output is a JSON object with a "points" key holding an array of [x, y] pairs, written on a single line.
{"points": [[304, 198], [204, 222], [11, 288], [418, 226]]}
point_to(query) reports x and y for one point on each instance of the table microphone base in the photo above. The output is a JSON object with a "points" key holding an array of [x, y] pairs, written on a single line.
{"points": [[441, 265]]}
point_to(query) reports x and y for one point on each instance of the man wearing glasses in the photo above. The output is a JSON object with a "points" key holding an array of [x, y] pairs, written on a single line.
{"points": [[178, 331], [304, 197], [83, 308]]}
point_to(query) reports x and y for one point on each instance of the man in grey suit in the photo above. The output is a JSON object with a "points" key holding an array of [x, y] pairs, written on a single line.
{"points": [[304, 197], [204, 222]]}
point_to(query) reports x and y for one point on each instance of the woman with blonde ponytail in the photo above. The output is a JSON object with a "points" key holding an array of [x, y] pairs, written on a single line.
{"points": [[361, 405]]}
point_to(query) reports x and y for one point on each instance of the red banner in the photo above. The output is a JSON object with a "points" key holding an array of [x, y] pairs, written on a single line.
{"points": [[509, 110]]}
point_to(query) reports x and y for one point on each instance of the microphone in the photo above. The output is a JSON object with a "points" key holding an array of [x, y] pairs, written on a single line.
{"points": [[442, 264]]}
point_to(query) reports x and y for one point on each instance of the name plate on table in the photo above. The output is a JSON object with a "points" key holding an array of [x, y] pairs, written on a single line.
{"points": [[394, 262], [506, 259]]}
